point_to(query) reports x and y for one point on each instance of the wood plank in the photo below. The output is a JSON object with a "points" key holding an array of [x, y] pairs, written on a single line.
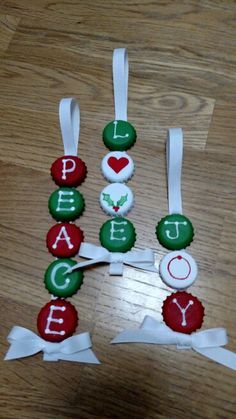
{"points": [[8, 26]]}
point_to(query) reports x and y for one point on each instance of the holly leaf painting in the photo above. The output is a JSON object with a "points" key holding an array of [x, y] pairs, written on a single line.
{"points": [[122, 200], [108, 200]]}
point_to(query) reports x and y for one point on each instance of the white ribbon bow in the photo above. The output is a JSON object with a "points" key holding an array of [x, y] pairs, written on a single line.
{"points": [[141, 259], [207, 342], [25, 343]]}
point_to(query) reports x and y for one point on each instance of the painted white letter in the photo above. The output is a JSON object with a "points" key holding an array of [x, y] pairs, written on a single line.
{"points": [[69, 169], [183, 310], [54, 273], [115, 135], [176, 224], [118, 230], [63, 235], [62, 200], [51, 319]]}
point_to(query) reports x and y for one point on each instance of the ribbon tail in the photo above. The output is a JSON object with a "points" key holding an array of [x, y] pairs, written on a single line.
{"points": [[141, 259], [146, 266], [85, 264], [87, 356], [21, 350], [137, 336], [221, 355]]}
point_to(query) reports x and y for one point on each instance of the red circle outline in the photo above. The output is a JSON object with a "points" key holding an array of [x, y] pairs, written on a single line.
{"points": [[175, 277]]}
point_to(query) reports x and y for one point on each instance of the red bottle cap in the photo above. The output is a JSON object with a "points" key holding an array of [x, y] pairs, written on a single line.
{"points": [[57, 320], [68, 171], [64, 239], [183, 312]]}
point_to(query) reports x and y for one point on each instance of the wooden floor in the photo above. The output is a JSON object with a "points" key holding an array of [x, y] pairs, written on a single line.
{"points": [[182, 73]]}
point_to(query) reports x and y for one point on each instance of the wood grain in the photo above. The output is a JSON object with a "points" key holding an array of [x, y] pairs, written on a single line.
{"points": [[182, 73]]}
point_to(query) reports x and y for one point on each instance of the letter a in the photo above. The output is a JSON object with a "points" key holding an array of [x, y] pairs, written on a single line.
{"points": [[63, 235]]}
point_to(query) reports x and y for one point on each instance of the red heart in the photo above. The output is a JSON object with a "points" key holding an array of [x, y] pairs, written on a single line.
{"points": [[117, 164]]}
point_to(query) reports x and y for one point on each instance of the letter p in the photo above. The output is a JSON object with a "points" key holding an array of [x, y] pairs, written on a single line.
{"points": [[68, 166]]}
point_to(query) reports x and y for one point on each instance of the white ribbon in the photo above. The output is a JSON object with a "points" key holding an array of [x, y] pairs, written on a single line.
{"points": [[25, 343], [69, 115], [174, 156], [141, 259], [120, 83], [207, 342]]}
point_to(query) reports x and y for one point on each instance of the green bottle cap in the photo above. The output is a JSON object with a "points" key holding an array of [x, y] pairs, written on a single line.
{"points": [[66, 204], [175, 232], [119, 135], [117, 235], [59, 284]]}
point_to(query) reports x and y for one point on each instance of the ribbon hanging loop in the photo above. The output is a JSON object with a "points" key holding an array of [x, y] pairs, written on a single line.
{"points": [[69, 115], [120, 82], [174, 156]]}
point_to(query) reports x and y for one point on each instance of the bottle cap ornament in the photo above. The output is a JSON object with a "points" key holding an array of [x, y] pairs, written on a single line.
{"points": [[174, 231], [117, 236], [120, 135], [58, 319], [117, 166], [182, 312]]}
